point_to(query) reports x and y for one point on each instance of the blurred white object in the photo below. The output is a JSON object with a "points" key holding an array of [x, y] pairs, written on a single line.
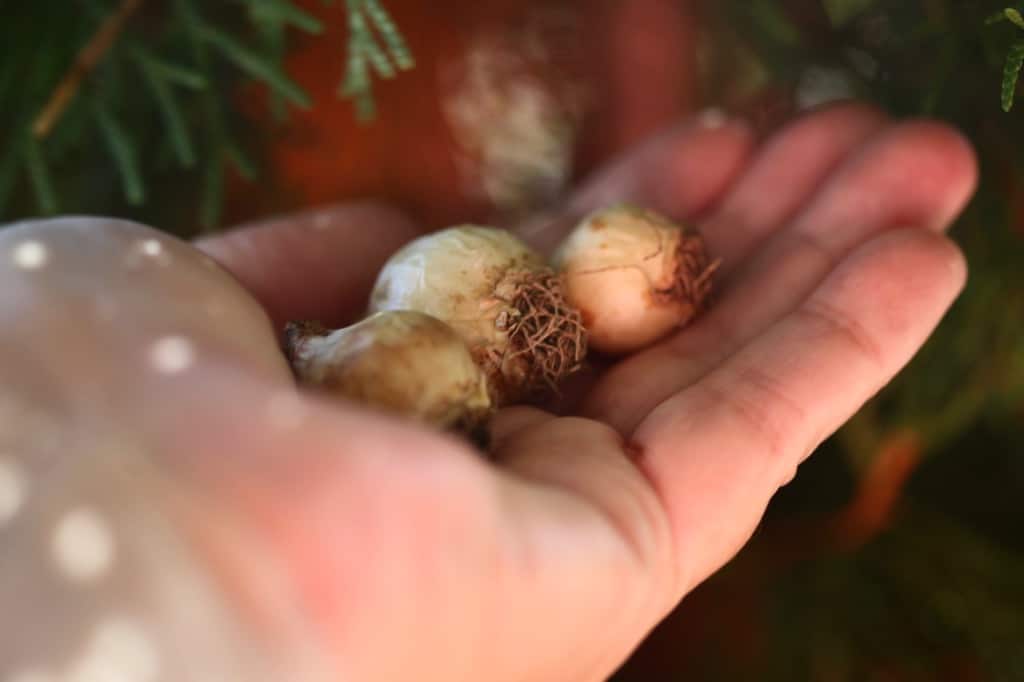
{"points": [[515, 111], [820, 85], [96, 583], [113, 568]]}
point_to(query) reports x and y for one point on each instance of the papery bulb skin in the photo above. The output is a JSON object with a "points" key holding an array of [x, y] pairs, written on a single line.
{"points": [[635, 276], [401, 362], [500, 297]]}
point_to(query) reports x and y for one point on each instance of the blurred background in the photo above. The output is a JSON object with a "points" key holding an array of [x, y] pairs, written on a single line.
{"points": [[898, 552]]}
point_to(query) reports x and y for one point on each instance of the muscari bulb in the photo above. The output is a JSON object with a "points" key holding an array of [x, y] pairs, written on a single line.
{"points": [[634, 275], [402, 362], [500, 297]]}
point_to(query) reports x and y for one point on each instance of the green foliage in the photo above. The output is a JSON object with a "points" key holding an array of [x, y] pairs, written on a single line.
{"points": [[940, 59], [945, 581], [1014, 58], [841, 12], [366, 56], [1011, 74], [905, 602], [157, 102]]}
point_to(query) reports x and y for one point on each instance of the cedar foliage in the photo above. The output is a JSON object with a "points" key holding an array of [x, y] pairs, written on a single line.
{"points": [[897, 553], [102, 97]]}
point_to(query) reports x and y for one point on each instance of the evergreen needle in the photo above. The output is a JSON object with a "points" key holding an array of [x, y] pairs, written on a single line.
{"points": [[392, 36], [282, 12], [39, 176], [1014, 16], [10, 166], [1011, 74], [85, 62], [122, 149], [174, 73], [213, 192], [255, 65], [245, 166], [174, 118]]}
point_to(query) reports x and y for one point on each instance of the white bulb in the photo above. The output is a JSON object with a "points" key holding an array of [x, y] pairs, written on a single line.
{"points": [[402, 362], [634, 275], [459, 276], [498, 295]]}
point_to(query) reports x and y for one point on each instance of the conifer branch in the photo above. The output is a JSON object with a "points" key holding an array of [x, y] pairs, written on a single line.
{"points": [[176, 68], [365, 54], [86, 61]]}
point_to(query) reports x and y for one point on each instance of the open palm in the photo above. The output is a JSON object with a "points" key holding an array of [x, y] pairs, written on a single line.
{"points": [[419, 560]]}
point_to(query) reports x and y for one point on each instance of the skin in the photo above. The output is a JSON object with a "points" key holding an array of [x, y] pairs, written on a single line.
{"points": [[411, 557], [554, 561]]}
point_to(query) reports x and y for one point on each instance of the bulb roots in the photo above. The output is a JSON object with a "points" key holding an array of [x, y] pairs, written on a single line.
{"points": [[545, 333], [693, 280]]}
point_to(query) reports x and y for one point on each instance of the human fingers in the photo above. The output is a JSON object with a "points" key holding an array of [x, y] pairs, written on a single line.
{"points": [[708, 166], [147, 395], [388, 543], [592, 544], [717, 451], [783, 175], [681, 172], [667, 507], [912, 174], [316, 265], [685, 171]]}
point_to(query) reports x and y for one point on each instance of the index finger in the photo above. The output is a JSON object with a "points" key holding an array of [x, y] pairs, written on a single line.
{"points": [[682, 172], [717, 452], [316, 265]]}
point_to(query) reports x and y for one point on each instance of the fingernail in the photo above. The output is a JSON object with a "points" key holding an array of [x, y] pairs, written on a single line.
{"points": [[712, 118]]}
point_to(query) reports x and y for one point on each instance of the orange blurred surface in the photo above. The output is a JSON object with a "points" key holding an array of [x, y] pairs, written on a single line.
{"points": [[507, 103]]}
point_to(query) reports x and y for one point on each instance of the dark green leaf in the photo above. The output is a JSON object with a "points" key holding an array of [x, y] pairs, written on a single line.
{"points": [[363, 45], [122, 149], [1014, 16], [273, 35], [840, 12], [246, 166], [357, 79], [174, 118], [178, 75], [376, 58], [10, 170], [255, 65], [39, 175], [770, 18], [995, 18], [392, 36], [283, 12], [1011, 74], [366, 107], [212, 201]]}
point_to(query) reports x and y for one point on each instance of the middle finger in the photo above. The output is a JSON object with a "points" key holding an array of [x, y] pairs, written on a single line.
{"points": [[933, 172]]}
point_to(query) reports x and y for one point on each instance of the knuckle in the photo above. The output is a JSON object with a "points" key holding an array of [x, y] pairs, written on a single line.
{"points": [[840, 327], [812, 244], [762, 409]]}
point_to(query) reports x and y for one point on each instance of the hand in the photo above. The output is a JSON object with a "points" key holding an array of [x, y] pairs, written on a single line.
{"points": [[410, 557]]}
